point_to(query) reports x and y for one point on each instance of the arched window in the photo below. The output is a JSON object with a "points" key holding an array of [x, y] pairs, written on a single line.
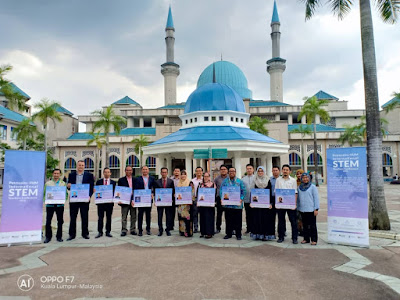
{"points": [[114, 166], [70, 164], [310, 160], [133, 161], [151, 162], [294, 159], [89, 164], [387, 160]]}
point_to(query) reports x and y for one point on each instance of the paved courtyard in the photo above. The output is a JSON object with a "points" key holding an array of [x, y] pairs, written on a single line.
{"points": [[175, 267]]}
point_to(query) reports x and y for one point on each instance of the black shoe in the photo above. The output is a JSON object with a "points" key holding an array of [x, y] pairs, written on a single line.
{"points": [[227, 237], [140, 233], [98, 235], [201, 236], [123, 233], [46, 240], [60, 240], [70, 238], [148, 232], [295, 242], [108, 234], [133, 232], [86, 237], [159, 233], [238, 238], [168, 233], [279, 240], [217, 231]]}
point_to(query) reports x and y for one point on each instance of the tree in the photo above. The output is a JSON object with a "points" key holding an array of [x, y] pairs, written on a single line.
{"points": [[311, 109], [140, 142], [388, 9], [389, 107], [257, 124], [24, 131], [303, 130], [3, 148], [352, 135], [108, 120], [47, 112], [99, 140], [15, 99]]}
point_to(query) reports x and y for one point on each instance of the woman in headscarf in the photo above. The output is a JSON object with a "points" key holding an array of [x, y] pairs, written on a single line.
{"points": [[308, 206], [299, 172], [260, 215], [207, 214], [185, 217]]}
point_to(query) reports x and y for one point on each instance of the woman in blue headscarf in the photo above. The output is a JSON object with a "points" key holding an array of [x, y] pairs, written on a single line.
{"points": [[260, 215], [308, 206]]}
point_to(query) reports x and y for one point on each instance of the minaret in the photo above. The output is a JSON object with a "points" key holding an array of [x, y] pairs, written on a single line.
{"points": [[276, 65], [170, 70]]}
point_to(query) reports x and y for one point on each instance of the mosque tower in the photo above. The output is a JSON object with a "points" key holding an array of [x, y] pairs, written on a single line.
{"points": [[170, 70], [276, 65]]}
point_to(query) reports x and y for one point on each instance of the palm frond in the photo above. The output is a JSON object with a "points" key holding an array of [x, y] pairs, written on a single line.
{"points": [[311, 6], [389, 10], [341, 7]]}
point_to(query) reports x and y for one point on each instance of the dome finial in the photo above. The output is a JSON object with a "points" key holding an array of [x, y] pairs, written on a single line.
{"points": [[214, 80], [221, 57]]}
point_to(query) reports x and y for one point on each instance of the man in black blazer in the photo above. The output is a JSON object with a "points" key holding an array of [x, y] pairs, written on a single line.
{"points": [[80, 177], [165, 182], [105, 207], [144, 182], [126, 209]]}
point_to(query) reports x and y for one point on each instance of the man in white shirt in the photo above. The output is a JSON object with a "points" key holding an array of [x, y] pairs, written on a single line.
{"points": [[248, 180], [286, 182], [196, 181]]}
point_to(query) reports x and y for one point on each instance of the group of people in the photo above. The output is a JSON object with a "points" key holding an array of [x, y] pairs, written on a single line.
{"points": [[260, 222]]}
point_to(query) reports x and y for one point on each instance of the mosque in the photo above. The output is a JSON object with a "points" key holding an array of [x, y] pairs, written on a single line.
{"points": [[214, 122]]}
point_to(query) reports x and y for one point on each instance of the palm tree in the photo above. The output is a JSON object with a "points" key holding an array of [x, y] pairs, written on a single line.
{"points": [[140, 142], [351, 135], [99, 140], [303, 130], [311, 109], [107, 120], [362, 127], [15, 99], [24, 131], [47, 111], [257, 124], [389, 107], [388, 9]]}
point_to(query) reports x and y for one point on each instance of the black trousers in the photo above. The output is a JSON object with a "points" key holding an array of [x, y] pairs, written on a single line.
{"points": [[233, 220], [107, 209], [292, 214], [50, 210], [141, 211], [309, 226], [74, 208], [168, 217], [220, 210], [249, 222], [172, 220]]}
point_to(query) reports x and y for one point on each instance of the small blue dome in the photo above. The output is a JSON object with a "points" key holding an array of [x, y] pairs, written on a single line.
{"points": [[214, 96], [226, 73]]}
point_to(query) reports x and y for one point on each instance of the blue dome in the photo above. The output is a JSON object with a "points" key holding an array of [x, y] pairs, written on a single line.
{"points": [[214, 96], [226, 73]]}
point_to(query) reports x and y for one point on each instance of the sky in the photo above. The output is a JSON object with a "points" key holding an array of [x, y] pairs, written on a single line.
{"points": [[88, 54]]}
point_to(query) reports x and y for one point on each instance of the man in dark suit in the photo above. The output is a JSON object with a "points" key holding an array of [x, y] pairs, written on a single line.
{"points": [[144, 182], [165, 182], [106, 208], [126, 209], [80, 177]]}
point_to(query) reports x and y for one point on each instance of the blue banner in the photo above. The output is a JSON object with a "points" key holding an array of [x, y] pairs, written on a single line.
{"points": [[22, 206], [347, 196]]}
